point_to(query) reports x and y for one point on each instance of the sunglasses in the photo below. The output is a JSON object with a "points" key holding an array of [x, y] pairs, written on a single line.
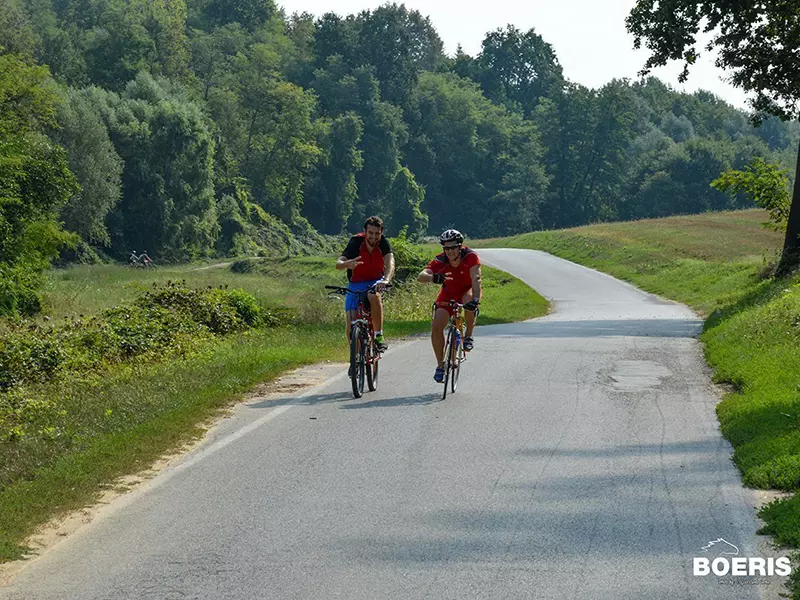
{"points": [[446, 248]]}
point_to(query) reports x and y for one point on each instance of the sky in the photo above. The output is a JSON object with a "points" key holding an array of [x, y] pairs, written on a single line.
{"points": [[589, 36]]}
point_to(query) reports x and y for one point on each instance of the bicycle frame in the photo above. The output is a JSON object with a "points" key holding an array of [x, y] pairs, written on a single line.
{"points": [[454, 354], [364, 355]]}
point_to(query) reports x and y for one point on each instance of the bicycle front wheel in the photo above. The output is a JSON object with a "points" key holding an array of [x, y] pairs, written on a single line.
{"points": [[372, 365], [357, 371], [448, 366], [456, 351]]}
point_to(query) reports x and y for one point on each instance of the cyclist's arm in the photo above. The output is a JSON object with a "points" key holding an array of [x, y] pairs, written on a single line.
{"points": [[342, 263], [350, 255], [475, 273], [425, 276], [388, 267]]}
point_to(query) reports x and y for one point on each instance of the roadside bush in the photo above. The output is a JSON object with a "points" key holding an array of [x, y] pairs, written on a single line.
{"points": [[243, 266], [160, 321]]}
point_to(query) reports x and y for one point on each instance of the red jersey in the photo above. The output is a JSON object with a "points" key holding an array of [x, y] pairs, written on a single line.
{"points": [[462, 281], [371, 267]]}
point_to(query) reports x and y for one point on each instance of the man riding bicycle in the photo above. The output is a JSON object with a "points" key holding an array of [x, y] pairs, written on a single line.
{"points": [[458, 270], [369, 262]]}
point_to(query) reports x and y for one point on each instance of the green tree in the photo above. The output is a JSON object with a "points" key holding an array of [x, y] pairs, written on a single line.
{"points": [[251, 14], [96, 165], [166, 144], [16, 30], [765, 184], [517, 68], [331, 190], [399, 44], [166, 23], [277, 148], [385, 135], [468, 152], [119, 49], [213, 55], [587, 135], [757, 42], [335, 36], [405, 205], [34, 183]]}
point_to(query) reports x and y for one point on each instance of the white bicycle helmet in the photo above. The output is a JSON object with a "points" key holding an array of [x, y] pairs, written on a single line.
{"points": [[451, 235]]}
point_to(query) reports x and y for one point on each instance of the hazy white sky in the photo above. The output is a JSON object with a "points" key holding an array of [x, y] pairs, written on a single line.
{"points": [[589, 36]]}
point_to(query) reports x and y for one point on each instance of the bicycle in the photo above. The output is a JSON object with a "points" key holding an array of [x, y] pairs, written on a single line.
{"points": [[454, 353], [364, 354], [142, 261]]}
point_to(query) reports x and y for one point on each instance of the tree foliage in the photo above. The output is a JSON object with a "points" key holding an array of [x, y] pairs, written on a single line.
{"points": [[762, 183], [96, 165], [757, 42], [35, 182], [195, 127]]}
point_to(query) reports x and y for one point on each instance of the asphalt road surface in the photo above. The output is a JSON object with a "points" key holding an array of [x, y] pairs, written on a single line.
{"points": [[580, 458]]}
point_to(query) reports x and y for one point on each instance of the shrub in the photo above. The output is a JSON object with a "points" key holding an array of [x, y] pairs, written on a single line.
{"points": [[408, 258], [160, 321]]}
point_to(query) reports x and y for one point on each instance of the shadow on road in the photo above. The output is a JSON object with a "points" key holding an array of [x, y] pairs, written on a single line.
{"points": [[363, 402], [390, 402], [672, 328]]}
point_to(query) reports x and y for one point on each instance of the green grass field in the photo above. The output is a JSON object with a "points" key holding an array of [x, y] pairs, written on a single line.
{"points": [[122, 419], [720, 265]]}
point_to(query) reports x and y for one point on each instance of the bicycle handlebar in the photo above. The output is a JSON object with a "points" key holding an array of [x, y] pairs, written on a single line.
{"points": [[452, 303], [344, 291]]}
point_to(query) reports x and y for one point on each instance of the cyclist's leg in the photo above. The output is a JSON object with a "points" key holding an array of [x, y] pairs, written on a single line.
{"points": [[439, 322], [351, 307], [469, 315], [376, 308], [349, 315]]}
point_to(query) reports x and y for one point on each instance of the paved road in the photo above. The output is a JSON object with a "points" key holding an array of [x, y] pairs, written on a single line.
{"points": [[580, 459]]}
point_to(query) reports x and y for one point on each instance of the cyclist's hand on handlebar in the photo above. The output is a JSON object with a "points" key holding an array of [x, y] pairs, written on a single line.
{"points": [[381, 285], [471, 305]]}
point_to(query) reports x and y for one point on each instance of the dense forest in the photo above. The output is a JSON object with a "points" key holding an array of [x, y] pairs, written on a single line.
{"points": [[194, 128]]}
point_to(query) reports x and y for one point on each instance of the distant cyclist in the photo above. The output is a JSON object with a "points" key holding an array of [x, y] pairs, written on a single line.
{"points": [[458, 270], [369, 262]]}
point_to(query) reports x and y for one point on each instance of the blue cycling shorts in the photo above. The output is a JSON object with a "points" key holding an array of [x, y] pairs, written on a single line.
{"points": [[351, 301]]}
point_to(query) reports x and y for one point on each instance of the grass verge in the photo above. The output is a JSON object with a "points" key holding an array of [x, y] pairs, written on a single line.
{"points": [[124, 420], [719, 264]]}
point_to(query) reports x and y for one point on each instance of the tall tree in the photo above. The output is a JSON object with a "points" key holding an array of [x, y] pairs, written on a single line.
{"points": [[96, 165], [277, 146], [331, 190], [405, 204], [34, 183], [167, 147], [757, 41], [466, 151], [399, 43], [587, 134], [251, 14], [517, 67]]}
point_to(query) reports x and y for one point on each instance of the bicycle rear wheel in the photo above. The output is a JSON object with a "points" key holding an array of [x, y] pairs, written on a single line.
{"points": [[372, 360], [357, 361]]}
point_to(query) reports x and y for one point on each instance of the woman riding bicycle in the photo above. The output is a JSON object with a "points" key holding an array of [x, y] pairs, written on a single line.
{"points": [[458, 270], [369, 262]]}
